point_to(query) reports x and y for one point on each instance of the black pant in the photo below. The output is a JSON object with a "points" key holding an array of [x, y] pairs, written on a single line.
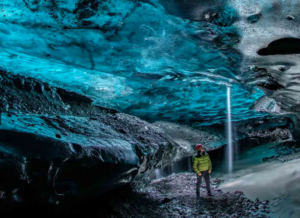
{"points": [[205, 174]]}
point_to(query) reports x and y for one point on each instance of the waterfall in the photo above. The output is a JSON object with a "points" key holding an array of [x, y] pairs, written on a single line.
{"points": [[229, 133], [158, 173]]}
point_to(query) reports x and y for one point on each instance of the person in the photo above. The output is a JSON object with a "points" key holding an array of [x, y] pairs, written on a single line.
{"points": [[202, 166]]}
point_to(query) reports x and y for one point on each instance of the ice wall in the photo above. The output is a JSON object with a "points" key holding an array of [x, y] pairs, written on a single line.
{"points": [[167, 60]]}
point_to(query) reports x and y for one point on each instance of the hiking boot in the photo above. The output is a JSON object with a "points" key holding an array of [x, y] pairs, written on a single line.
{"points": [[210, 194]]}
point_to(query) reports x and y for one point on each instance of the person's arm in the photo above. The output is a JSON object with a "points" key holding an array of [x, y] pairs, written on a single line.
{"points": [[210, 165], [195, 165]]}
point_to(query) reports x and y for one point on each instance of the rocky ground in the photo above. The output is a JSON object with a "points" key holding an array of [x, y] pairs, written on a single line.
{"points": [[174, 196]]}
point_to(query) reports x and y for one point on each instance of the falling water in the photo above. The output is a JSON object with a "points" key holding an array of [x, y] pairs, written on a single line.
{"points": [[229, 132], [158, 173]]}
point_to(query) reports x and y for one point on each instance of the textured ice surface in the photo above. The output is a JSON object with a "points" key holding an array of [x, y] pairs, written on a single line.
{"points": [[166, 60], [79, 155], [188, 137]]}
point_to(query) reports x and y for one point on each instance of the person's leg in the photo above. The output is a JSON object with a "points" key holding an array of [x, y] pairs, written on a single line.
{"points": [[207, 181], [199, 181]]}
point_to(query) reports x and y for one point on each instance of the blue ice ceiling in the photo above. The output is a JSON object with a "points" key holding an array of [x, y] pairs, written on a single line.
{"points": [[159, 60]]}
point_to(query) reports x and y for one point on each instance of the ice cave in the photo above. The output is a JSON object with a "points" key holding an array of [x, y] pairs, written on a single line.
{"points": [[118, 108]]}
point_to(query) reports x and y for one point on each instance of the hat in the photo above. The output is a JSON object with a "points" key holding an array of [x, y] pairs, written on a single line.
{"points": [[199, 146]]}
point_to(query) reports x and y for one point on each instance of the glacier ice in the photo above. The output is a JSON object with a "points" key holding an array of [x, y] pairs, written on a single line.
{"points": [[156, 59]]}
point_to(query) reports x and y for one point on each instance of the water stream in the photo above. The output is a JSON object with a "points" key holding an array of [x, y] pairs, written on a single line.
{"points": [[229, 133]]}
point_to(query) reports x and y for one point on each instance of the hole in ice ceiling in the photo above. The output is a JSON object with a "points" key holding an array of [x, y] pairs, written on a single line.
{"points": [[282, 46]]}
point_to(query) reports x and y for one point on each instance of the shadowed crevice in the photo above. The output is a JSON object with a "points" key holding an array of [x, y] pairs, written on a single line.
{"points": [[282, 46]]}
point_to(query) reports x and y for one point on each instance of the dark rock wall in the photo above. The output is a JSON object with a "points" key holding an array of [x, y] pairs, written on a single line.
{"points": [[57, 143]]}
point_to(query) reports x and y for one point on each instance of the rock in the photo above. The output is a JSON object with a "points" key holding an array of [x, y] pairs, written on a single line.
{"points": [[4, 104], [19, 82], [166, 200], [39, 87], [254, 18], [178, 208], [28, 85], [238, 192], [221, 16], [265, 202]]}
